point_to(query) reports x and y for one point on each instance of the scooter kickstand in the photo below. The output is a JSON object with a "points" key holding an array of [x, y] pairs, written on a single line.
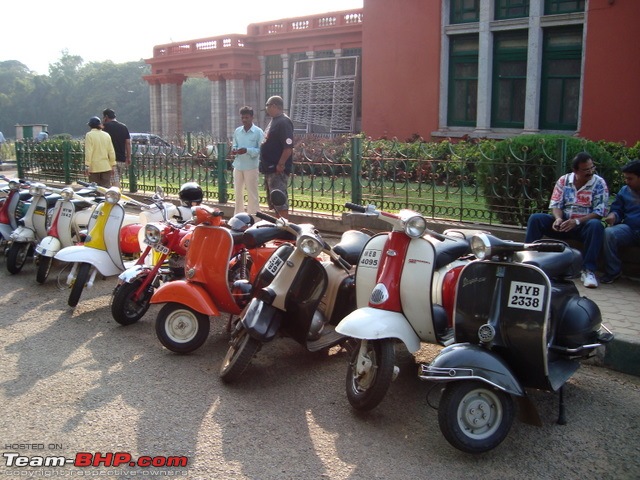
{"points": [[562, 420]]}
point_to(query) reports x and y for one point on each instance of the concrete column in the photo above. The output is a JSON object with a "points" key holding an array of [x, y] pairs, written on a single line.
{"points": [[155, 108], [218, 108], [235, 101], [534, 68], [485, 63], [171, 110], [286, 81], [262, 92]]}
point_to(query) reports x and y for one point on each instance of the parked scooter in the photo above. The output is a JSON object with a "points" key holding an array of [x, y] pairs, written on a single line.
{"points": [[161, 261], [405, 284], [11, 209], [32, 227], [216, 263], [69, 217], [297, 295], [519, 323], [108, 239]]}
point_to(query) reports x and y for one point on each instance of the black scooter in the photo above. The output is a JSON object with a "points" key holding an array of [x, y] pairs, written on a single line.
{"points": [[519, 323]]}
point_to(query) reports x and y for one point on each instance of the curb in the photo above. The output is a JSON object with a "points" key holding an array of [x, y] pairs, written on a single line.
{"points": [[623, 356]]}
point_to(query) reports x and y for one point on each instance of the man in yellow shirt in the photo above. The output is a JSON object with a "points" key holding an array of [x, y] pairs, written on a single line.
{"points": [[99, 155]]}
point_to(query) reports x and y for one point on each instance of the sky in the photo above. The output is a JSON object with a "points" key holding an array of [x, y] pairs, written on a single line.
{"points": [[36, 36]]}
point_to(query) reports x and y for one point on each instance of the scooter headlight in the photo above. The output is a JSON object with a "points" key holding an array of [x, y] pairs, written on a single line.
{"points": [[13, 185], [66, 193], [310, 246], [152, 234], [112, 195], [481, 247], [415, 226], [37, 189]]}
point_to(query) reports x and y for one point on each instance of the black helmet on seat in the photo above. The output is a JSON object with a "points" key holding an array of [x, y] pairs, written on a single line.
{"points": [[240, 222], [190, 193]]}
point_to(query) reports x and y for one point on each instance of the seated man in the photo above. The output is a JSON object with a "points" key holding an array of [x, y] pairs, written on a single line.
{"points": [[578, 202], [624, 219]]}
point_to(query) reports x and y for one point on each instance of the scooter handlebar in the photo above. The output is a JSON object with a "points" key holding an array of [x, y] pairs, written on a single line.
{"points": [[355, 207], [266, 216], [545, 246]]}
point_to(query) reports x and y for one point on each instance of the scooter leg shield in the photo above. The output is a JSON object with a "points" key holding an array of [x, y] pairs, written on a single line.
{"points": [[186, 293], [261, 320]]}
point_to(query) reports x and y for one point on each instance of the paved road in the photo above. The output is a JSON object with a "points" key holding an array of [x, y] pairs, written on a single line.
{"points": [[74, 381]]}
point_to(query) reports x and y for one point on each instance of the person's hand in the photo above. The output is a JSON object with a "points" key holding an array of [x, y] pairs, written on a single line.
{"points": [[610, 219], [567, 225], [556, 224], [279, 168], [241, 151]]}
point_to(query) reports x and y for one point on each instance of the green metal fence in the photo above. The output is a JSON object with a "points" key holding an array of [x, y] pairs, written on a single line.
{"points": [[476, 182]]}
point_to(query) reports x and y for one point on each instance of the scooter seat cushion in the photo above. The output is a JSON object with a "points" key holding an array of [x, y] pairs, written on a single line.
{"points": [[254, 237], [450, 250], [351, 245], [80, 204], [567, 263], [52, 199]]}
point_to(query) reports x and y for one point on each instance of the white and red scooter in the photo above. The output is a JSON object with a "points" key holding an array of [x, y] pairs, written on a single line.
{"points": [[405, 286]]}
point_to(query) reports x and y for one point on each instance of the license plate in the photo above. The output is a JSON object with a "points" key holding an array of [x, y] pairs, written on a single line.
{"points": [[526, 296], [370, 258], [274, 264], [158, 247]]}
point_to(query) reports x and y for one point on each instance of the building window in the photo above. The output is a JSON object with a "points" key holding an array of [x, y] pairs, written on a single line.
{"points": [[463, 80], [274, 75], [561, 67], [465, 11], [511, 9], [552, 7], [509, 79]]}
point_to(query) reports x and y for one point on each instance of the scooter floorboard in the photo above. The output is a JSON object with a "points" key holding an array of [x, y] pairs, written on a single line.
{"points": [[329, 338]]}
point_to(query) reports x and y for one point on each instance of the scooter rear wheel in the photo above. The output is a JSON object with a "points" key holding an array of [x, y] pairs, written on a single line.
{"points": [[242, 349], [124, 309], [79, 283], [474, 417], [181, 329], [17, 256], [365, 390], [44, 267]]}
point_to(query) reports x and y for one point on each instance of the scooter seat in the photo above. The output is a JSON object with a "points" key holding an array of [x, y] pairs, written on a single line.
{"points": [[80, 204], [565, 264], [254, 237], [450, 250], [52, 199], [351, 245]]}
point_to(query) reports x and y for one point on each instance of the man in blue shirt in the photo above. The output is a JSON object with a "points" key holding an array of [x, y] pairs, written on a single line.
{"points": [[624, 221], [246, 148]]}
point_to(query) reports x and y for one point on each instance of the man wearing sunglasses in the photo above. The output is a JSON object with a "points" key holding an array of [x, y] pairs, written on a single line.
{"points": [[578, 203]]}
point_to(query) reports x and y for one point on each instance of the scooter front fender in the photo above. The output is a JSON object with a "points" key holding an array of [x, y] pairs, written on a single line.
{"points": [[23, 235], [48, 246], [368, 323], [98, 258], [262, 320], [464, 361], [186, 293], [131, 273]]}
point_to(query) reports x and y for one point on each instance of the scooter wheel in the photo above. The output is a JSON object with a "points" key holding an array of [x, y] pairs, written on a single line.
{"points": [[475, 417], [79, 283], [124, 309], [17, 256], [44, 267], [238, 357], [182, 329], [370, 373]]}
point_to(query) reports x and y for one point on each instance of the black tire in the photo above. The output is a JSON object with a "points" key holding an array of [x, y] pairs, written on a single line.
{"points": [[44, 267], [17, 256], [242, 349], [124, 309], [475, 417], [366, 391], [79, 283], [182, 329]]}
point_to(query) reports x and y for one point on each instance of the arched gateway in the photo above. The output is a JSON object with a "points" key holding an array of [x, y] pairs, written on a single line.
{"points": [[312, 62]]}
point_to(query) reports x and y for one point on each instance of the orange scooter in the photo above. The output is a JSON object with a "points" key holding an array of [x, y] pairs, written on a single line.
{"points": [[209, 289]]}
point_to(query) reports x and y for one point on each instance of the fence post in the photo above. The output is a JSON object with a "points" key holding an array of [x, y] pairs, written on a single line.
{"points": [[133, 181], [222, 168], [561, 164], [19, 159], [356, 167]]}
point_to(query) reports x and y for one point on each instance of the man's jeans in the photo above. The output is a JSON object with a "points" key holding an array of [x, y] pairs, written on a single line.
{"points": [[591, 234], [615, 237]]}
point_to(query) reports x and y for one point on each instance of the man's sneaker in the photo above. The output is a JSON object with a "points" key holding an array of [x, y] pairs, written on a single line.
{"points": [[589, 279], [608, 278]]}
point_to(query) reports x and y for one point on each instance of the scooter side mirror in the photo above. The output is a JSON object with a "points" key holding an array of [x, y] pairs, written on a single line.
{"points": [[159, 193], [278, 199]]}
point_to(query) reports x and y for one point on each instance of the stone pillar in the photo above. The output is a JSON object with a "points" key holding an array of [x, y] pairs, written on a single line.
{"points": [[235, 101], [286, 82], [485, 64], [154, 108], [218, 107], [171, 108], [262, 92], [534, 68]]}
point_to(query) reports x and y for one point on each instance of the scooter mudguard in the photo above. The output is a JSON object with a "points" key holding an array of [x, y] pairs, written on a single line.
{"points": [[374, 324], [48, 246], [98, 258], [465, 361], [131, 273], [23, 235], [262, 320], [186, 293]]}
